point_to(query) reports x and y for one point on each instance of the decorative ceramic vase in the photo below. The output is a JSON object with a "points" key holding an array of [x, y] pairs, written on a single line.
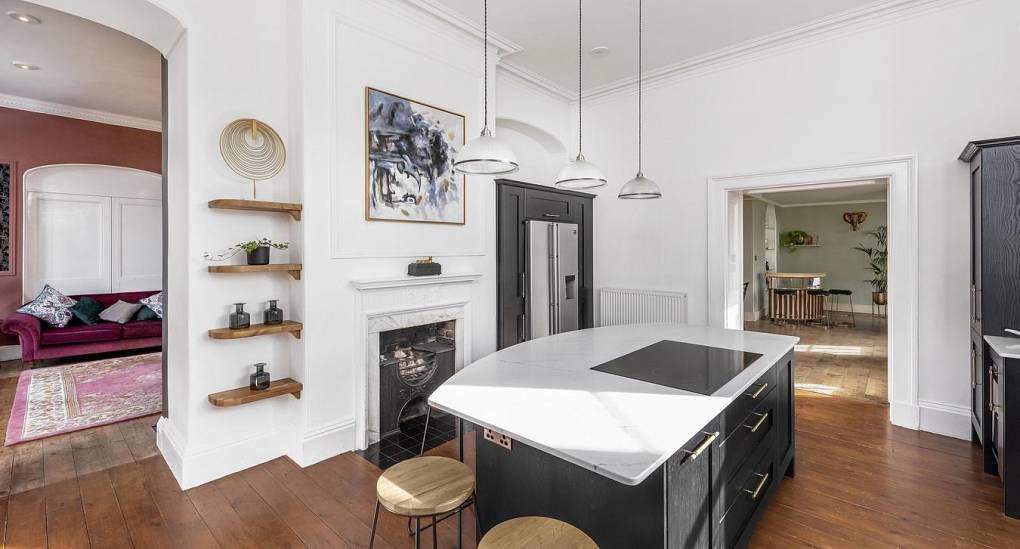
{"points": [[239, 319], [274, 314], [259, 256], [259, 381]]}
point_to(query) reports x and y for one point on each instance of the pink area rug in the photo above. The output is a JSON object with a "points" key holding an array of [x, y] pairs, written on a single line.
{"points": [[62, 399]]}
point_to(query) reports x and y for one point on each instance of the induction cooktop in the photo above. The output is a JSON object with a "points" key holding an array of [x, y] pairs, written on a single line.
{"points": [[696, 368]]}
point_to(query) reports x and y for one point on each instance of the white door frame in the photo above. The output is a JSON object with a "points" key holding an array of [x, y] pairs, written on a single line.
{"points": [[725, 257]]}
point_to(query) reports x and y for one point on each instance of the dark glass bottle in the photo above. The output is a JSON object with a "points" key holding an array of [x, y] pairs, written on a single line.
{"points": [[260, 379], [239, 319], [274, 314]]}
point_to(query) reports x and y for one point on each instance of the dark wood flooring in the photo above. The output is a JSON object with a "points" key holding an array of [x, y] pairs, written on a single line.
{"points": [[860, 483]]}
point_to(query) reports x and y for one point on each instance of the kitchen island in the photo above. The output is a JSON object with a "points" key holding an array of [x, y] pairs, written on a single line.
{"points": [[639, 435]]}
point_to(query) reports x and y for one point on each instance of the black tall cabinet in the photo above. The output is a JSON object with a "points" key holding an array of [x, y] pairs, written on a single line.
{"points": [[994, 282], [516, 203]]}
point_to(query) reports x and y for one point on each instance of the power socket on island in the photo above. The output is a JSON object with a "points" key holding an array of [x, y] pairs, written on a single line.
{"points": [[496, 437]]}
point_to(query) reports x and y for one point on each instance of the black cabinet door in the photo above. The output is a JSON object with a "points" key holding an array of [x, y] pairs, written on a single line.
{"points": [[689, 494], [510, 202], [975, 243], [550, 206], [998, 293], [977, 387]]}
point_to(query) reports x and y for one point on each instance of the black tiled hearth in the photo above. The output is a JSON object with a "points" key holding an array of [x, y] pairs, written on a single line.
{"points": [[406, 443]]}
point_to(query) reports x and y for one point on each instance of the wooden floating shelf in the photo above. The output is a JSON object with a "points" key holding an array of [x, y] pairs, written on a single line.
{"points": [[244, 395], [294, 269], [288, 326], [291, 208]]}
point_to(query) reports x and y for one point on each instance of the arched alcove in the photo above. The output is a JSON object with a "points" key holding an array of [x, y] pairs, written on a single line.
{"points": [[539, 153]]}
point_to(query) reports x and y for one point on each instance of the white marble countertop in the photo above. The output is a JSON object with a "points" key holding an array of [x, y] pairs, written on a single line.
{"points": [[1007, 347], [544, 394]]}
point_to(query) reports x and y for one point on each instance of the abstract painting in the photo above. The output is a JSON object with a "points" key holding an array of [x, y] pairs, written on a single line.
{"points": [[409, 169], [5, 217]]}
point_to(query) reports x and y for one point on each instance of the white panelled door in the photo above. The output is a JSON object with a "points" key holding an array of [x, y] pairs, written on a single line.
{"points": [[137, 244], [67, 243], [92, 229]]}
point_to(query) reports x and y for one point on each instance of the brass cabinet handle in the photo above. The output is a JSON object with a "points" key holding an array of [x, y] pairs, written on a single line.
{"points": [[701, 447], [757, 424], [550, 215], [757, 393], [761, 484]]}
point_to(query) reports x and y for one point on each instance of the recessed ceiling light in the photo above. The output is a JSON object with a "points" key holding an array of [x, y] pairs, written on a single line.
{"points": [[599, 51], [24, 66], [24, 18]]}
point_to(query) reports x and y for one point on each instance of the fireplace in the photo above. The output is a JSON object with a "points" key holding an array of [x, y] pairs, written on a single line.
{"points": [[412, 363]]}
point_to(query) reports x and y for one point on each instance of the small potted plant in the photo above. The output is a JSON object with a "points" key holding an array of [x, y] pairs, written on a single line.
{"points": [[258, 250], [791, 239], [877, 264]]}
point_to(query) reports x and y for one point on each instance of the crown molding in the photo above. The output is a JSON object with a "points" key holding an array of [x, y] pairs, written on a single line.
{"points": [[68, 111], [434, 8], [854, 20], [835, 203], [537, 80]]}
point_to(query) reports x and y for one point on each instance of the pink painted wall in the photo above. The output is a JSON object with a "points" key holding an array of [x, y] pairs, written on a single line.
{"points": [[30, 139]]}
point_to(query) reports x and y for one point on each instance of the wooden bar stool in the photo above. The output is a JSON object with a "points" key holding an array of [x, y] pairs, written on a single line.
{"points": [[424, 487], [535, 533]]}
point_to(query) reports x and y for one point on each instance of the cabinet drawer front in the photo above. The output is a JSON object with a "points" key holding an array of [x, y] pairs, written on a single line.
{"points": [[756, 429], [734, 415], [548, 206], [740, 497]]}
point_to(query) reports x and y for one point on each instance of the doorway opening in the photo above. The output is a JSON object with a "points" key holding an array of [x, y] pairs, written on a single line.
{"points": [[726, 255], [815, 267]]}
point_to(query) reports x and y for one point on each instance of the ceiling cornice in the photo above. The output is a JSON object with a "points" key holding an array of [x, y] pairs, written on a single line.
{"points": [[503, 44], [68, 111], [535, 79], [832, 203], [854, 20]]}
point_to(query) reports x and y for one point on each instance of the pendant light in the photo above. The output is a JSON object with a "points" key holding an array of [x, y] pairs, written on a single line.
{"points": [[485, 155], [579, 173], [640, 186]]}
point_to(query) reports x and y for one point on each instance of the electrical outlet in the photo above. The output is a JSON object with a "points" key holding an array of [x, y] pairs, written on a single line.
{"points": [[498, 438]]}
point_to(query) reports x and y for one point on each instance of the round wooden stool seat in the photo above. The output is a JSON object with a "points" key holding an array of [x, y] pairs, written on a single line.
{"points": [[425, 486], [535, 533]]}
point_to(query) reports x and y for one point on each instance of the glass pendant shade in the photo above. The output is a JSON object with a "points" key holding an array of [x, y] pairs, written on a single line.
{"points": [[640, 188], [580, 174], [485, 155]]}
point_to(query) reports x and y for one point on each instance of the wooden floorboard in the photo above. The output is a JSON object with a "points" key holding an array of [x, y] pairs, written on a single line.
{"points": [[860, 483]]}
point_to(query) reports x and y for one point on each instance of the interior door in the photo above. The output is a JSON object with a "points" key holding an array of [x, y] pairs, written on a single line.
{"points": [[67, 243]]}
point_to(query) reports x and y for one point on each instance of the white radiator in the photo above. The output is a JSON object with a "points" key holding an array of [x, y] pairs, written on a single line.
{"points": [[620, 306]]}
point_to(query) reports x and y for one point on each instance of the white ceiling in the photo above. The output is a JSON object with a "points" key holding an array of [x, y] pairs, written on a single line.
{"points": [[863, 191], [674, 31], [83, 64]]}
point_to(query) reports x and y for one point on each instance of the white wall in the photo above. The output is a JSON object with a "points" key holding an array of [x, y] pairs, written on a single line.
{"points": [[923, 85], [846, 268], [754, 257]]}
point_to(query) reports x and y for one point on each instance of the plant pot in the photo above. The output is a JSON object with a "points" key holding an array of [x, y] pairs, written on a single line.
{"points": [[880, 298], [259, 256]]}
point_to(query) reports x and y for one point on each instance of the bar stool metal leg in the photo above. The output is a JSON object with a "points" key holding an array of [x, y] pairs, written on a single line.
{"points": [[417, 533], [375, 523], [435, 544], [853, 321], [425, 433]]}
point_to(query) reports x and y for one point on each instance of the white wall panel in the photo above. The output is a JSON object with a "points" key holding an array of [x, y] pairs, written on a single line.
{"points": [[137, 245]]}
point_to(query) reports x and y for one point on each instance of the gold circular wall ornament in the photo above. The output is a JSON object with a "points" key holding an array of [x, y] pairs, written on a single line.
{"points": [[252, 149]]}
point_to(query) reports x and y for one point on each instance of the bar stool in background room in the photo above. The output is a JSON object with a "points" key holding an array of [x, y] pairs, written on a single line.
{"points": [[822, 297], [784, 304], [426, 487], [849, 299], [535, 533]]}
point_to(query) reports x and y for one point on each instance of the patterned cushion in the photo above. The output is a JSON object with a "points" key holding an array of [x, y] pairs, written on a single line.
{"points": [[120, 312], [154, 302], [50, 306]]}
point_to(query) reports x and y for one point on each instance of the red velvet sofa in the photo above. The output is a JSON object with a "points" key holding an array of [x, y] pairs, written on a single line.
{"points": [[39, 341]]}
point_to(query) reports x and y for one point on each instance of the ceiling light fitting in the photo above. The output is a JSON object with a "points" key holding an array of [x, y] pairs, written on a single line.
{"points": [[24, 18], [24, 66], [640, 187]]}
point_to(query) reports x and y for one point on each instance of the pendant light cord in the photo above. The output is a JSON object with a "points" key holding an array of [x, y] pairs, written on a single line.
{"points": [[579, 148], [485, 62], [639, 48]]}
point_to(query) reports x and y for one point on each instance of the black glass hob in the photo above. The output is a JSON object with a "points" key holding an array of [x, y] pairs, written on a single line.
{"points": [[696, 368]]}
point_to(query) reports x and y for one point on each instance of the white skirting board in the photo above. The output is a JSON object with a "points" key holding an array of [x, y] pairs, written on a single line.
{"points": [[10, 352], [326, 442], [940, 418]]}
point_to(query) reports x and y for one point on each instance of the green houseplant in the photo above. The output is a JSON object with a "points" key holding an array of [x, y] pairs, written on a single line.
{"points": [[791, 239], [256, 250], [877, 254]]}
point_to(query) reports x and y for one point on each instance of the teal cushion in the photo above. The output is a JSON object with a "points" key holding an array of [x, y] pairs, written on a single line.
{"points": [[145, 313], [87, 310]]}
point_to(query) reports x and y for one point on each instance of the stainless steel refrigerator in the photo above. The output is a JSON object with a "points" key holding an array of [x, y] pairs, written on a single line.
{"points": [[551, 300]]}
